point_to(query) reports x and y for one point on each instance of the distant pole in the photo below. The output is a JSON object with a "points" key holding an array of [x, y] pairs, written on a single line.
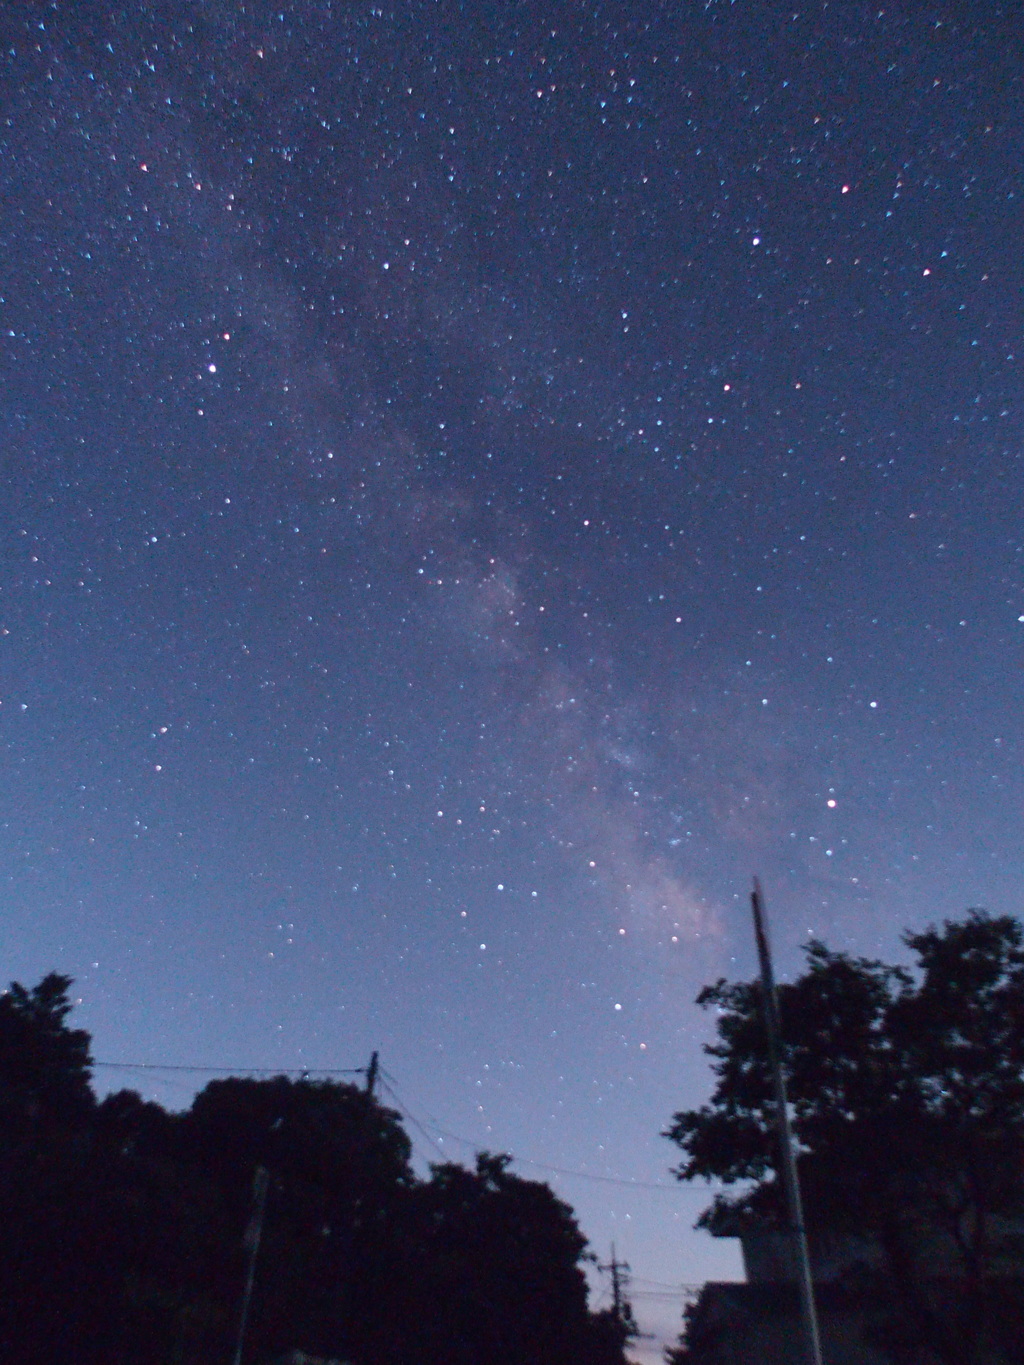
{"points": [[372, 1072], [251, 1241], [790, 1180], [616, 1267], [616, 1286]]}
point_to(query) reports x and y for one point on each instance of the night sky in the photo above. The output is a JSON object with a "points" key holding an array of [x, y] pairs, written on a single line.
{"points": [[478, 483]]}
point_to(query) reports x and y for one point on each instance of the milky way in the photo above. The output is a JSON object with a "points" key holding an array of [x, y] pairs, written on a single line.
{"points": [[479, 483]]}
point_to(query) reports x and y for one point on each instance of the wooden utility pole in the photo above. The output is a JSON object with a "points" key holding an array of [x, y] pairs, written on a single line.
{"points": [[372, 1072], [790, 1180], [251, 1241]]}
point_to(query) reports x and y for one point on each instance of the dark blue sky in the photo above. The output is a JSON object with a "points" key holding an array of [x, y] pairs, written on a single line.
{"points": [[480, 481]]}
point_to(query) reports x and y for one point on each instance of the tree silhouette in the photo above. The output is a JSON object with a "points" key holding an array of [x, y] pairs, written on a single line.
{"points": [[125, 1226], [907, 1092], [503, 1275], [44, 1065], [338, 1164]]}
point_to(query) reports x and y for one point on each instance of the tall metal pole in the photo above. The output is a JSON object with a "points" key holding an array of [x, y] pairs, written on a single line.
{"points": [[252, 1242], [790, 1180]]}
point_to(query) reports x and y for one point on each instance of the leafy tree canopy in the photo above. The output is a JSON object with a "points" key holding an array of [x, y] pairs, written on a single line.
{"points": [[871, 1052], [44, 1064], [127, 1229], [907, 1095]]}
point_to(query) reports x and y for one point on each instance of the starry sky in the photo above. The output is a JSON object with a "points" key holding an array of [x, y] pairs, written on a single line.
{"points": [[479, 482]]}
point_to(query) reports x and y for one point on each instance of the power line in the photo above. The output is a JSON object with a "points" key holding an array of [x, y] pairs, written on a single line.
{"points": [[235, 1070], [412, 1118], [663, 1284], [308, 1072], [662, 1296], [526, 1161]]}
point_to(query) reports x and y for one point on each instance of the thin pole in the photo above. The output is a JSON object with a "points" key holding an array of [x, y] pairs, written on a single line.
{"points": [[616, 1267], [252, 1241], [372, 1072], [790, 1180]]}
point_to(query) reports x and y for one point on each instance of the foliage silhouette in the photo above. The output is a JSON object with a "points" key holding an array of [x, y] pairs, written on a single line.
{"points": [[125, 1226], [44, 1065], [907, 1091]]}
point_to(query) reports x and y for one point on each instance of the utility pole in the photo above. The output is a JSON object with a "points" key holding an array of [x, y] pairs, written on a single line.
{"points": [[372, 1071], [619, 1270], [251, 1241], [790, 1180]]}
